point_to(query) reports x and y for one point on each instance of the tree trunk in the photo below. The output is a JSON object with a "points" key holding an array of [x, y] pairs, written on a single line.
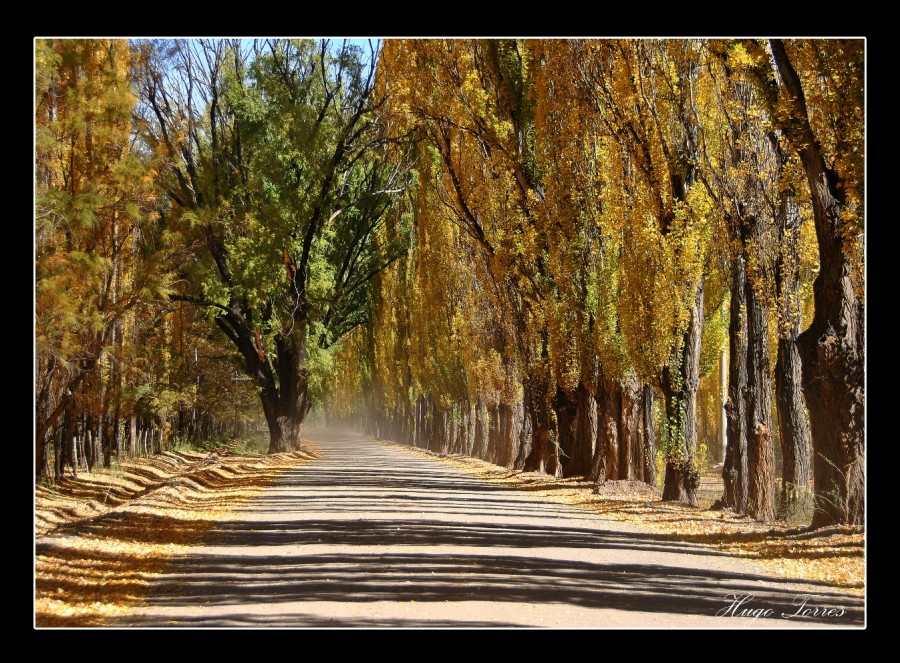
{"points": [[40, 453], [614, 430], [132, 434], [682, 477], [270, 411], [438, 430], [649, 437], [542, 458], [450, 426], [792, 419], [445, 430], [495, 440], [471, 427], [415, 433], [106, 440], [604, 465], [579, 458], [723, 399], [526, 438], [481, 431], [462, 432], [626, 435], [293, 402], [631, 449], [491, 440], [832, 348], [759, 394], [99, 451], [89, 448], [553, 465], [762, 476], [533, 459], [75, 457], [409, 425], [444, 416], [117, 432], [68, 439], [492, 437], [735, 469], [436, 442], [564, 404], [427, 423], [505, 436], [422, 441], [793, 422]]}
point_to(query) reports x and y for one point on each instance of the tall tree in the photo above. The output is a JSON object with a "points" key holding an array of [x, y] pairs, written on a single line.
{"points": [[826, 132], [793, 419], [469, 101], [640, 93], [96, 224], [740, 172], [600, 402], [274, 167], [580, 204]]}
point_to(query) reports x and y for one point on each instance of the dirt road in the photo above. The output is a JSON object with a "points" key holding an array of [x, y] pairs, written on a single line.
{"points": [[372, 536]]}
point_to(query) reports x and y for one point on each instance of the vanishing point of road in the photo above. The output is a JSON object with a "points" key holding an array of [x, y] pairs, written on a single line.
{"points": [[371, 535]]}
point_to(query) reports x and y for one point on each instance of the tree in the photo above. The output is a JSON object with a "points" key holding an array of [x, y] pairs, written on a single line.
{"points": [[468, 101], [640, 95], [836, 410], [827, 135], [740, 169], [276, 165], [585, 209], [604, 411], [99, 247]]}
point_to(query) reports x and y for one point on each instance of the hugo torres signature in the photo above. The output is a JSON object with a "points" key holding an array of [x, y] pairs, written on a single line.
{"points": [[739, 607]]}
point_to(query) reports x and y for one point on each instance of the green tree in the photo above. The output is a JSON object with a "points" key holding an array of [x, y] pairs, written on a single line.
{"points": [[276, 166]]}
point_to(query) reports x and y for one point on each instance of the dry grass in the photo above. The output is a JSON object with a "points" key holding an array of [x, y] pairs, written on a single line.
{"points": [[835, 555], [104, 536]]}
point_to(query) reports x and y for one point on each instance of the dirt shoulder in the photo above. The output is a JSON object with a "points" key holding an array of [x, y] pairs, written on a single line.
{"points": [[835, 555], [101, 537]]}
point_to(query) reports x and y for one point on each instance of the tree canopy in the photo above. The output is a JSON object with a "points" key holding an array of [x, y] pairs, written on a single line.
{"points": [[532, 251]]}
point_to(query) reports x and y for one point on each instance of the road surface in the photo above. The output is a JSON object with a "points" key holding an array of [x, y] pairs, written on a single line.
{"points": [[373, 536]]}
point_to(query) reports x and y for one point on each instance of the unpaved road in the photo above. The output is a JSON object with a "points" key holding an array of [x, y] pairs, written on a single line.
{"points": [[372, 536]]}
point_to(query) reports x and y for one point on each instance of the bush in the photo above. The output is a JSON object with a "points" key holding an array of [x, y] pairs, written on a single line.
{"points": [[797, 511], [253, 445], [209, 444]]}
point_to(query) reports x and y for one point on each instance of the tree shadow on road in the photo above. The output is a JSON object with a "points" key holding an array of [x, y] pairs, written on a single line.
{"points": [[401, 530]]}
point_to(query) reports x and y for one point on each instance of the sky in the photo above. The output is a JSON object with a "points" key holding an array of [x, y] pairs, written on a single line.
{"points": [[355, 41]]}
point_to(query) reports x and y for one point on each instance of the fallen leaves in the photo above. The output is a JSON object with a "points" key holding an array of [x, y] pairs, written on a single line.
{"points": [[95, 561]]}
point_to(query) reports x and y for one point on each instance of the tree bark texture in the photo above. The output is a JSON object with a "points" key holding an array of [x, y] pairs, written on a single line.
{"points": [[758, 396], [578, 459], [735, 472], [832, 348], [793, 421], [679, 388]]}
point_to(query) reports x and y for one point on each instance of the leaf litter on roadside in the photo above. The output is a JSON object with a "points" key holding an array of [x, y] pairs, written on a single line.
{"points": [[95, 556], [835, 555]]}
